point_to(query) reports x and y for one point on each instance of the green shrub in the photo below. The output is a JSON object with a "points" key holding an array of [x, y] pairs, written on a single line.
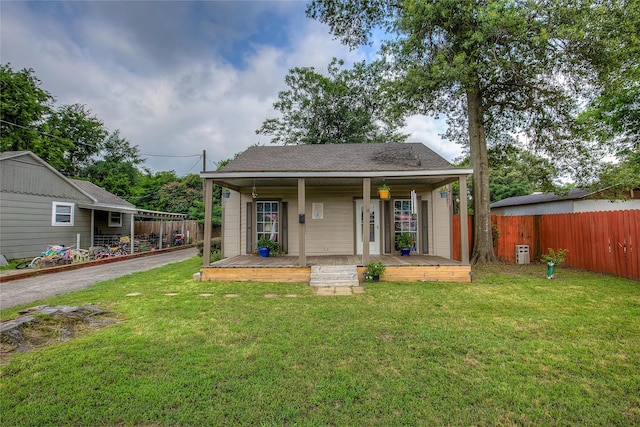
{"points": [[216, 245]]}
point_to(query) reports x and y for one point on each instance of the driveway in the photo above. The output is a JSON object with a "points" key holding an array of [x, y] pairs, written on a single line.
{"points": [[24, 291]]}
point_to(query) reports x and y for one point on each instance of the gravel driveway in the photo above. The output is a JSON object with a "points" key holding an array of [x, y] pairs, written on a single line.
{"points": [[24, 291]]}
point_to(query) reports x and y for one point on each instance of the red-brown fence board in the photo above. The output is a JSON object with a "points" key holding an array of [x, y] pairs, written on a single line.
{"points": [[604, 242]]}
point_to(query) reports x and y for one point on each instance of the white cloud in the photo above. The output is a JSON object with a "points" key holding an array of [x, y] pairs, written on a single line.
{"points": [[176, 78]]}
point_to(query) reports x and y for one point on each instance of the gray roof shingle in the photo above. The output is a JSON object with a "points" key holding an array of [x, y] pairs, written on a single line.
{"points": [[102, 196], [338, 158], [531, 199]]}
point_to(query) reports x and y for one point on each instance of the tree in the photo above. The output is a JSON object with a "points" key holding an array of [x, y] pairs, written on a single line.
{"points": [[147, 192], [23, 108], [503, 69], [343, 107], [517, 172], [117, 170], [84, 132]]}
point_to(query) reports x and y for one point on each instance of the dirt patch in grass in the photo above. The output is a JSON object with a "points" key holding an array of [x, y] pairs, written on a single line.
{"points": [[45, 325]]}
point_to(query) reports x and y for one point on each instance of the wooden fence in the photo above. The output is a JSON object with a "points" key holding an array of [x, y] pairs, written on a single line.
{"points": [[190, 227], [604, 242]]}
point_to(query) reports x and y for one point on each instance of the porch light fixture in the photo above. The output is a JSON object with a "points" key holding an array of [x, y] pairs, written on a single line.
{"points": [[254, 193]]}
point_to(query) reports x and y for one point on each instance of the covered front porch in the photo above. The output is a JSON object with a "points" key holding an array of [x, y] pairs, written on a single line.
{"points": [[414, 268]]}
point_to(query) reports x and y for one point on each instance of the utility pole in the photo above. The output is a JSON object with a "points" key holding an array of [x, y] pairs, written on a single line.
{"points": [[204, 160]]}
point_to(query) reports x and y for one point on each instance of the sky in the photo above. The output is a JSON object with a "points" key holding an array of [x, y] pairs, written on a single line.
{"points": [[178, 77]]}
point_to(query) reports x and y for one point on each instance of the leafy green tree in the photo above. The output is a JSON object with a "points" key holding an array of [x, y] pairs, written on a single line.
{"points": [[117, 170], [621, 176], [24, 105], [496, 69], [343, 107], [86, 132], [147, 192], [517, 172]]}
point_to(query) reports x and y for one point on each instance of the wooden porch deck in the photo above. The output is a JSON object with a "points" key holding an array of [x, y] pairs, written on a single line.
{"points": [[414, 268]]}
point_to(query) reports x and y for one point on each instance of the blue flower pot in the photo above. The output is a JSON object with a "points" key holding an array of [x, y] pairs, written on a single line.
{"points": [[263, 252], [405, 252]]}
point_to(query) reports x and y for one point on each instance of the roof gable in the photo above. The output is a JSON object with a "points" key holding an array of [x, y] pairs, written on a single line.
{"points": [[26, 173], [338, 158]]}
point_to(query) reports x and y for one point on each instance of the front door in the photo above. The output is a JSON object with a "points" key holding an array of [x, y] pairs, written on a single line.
{"points": [[372, 227]]}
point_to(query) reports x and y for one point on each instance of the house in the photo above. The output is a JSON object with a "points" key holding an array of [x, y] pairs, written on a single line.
{"points": [[39, 206], [321, 204], [577, 200]]}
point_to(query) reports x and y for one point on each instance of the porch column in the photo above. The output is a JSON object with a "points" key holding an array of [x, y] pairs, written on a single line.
{"points": [[133, 233], [92, 242], [302, 245], [464, 221], [366, 218], [208, 213]]}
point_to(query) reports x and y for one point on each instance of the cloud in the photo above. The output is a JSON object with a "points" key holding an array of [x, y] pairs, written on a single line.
{"points": [[176, 77]]}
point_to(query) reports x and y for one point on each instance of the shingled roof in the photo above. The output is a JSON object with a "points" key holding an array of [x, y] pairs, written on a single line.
{"points": [[531, 199], [103, 197], [338, 158]]}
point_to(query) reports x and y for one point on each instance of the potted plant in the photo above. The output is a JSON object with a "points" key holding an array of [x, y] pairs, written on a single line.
{"points": [[553, 258], [374, 271], [384, 191], [404, 241], [267, 247]]}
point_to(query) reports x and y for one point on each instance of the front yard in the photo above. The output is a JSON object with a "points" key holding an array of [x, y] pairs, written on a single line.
{"points": [[511, 348]]}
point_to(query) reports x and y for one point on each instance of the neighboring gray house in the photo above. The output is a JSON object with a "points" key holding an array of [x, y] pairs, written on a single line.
{"points": [[39, 206], [576, 200]]}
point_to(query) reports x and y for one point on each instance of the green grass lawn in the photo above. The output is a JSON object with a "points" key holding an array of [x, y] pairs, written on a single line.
{"points": [[512, 348]]}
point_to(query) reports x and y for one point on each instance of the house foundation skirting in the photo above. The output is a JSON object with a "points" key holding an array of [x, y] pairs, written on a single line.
{"points": [[248, 268]]}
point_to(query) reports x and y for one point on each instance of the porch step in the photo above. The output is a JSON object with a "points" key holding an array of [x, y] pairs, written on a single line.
{"points": [[334, 275]]}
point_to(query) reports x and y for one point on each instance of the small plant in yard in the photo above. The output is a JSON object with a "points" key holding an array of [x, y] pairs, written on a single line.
{"points": [[556, 257], [374, 271], [553, 258]]}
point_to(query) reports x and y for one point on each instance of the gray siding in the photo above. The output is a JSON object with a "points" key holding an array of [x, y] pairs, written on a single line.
{"points": [[101, 225], [24, 175], [26, 230], [28, 189]]}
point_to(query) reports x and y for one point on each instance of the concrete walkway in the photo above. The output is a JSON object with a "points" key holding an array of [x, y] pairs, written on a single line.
{"points": [[27, 290]]}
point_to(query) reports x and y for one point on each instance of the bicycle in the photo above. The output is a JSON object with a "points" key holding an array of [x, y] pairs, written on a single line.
{"points": [[57, 252]]}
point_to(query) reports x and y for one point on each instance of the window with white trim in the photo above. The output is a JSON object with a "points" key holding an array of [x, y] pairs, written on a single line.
{"points": [[267, 220], [115, 219], [62, 214], [405, 221]]}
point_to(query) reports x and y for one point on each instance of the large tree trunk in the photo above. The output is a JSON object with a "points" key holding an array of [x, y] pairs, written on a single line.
{"points": [[482, 232]]}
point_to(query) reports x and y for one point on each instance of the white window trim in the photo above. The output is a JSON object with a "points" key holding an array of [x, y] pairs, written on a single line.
{"points": [[113, 223], [54, 211]]}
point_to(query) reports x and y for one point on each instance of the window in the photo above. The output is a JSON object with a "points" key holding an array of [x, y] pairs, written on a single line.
{"points": [[115, 219], [62, 214], [267, 220], [405, 221]]}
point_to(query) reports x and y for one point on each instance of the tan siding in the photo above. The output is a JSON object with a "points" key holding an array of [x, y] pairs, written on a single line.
{"points": [[441, 220], [334, 234], [232, 225]]}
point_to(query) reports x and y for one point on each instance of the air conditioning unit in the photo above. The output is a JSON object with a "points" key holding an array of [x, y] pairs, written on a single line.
{"points": [[522, 254]]}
